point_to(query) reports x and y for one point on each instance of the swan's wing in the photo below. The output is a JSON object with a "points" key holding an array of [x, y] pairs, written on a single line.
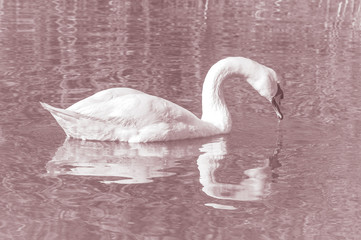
{"points": [[135, 110]]}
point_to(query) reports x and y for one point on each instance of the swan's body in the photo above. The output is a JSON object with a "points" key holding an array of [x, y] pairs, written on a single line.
{"points": [[124, 114]]}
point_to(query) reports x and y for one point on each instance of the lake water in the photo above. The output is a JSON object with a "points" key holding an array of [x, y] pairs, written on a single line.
{"points": [[297, 179]]}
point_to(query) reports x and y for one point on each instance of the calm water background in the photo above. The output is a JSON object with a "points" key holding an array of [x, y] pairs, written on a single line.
{"points": [[299, 179]]}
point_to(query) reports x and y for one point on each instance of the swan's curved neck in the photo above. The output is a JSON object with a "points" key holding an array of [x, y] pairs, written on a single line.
{"points": [[214, 109]]}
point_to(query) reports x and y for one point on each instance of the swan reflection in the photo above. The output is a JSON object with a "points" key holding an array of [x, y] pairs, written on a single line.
{"points": [[254, 187], [124, 163], [134, 163]]}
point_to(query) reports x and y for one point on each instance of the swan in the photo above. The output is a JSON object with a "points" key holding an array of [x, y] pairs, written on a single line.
{"points": [[129, 115]]}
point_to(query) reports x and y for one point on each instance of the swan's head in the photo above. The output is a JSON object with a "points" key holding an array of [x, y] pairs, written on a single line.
{"points": [[265, 81]]}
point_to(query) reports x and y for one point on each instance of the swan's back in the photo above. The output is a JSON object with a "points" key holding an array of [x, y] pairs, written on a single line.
{"points": [[102, 97]]}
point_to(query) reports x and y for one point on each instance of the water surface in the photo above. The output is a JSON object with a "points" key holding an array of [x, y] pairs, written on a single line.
{"points": [[297, 179]]}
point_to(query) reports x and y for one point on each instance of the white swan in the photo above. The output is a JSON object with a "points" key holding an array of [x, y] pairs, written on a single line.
{"points": [[124, 114]]}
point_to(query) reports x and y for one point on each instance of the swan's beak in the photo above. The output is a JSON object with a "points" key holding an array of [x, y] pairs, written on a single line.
{"points": [[276, 102]]}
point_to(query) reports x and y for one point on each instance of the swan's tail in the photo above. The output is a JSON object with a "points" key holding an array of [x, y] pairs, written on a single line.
{"points": [[61, 113], [77, 125], [68, 120]]}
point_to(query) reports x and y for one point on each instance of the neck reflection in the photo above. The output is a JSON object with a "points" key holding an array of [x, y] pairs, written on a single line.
{"points": [[255, 187]]}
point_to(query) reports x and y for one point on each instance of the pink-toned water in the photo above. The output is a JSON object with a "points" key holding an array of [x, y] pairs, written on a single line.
{"points": [[299, 179]]}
